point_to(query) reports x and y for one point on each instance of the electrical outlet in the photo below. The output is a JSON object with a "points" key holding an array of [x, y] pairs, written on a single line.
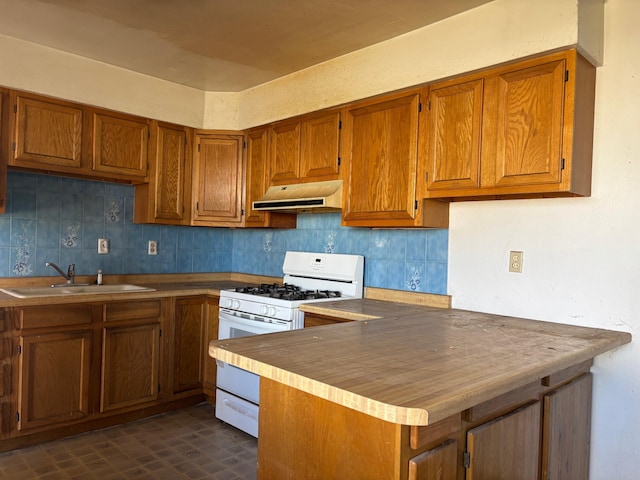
{"points": [[515, 261], [103, 246], [153, 247]]}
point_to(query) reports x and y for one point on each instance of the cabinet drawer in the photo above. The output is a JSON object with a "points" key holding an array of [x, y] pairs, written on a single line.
{"points": [[114, 312], [54, 316]]}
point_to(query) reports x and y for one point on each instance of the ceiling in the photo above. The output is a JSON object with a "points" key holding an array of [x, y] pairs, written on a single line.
{"points": [[218, 45]]}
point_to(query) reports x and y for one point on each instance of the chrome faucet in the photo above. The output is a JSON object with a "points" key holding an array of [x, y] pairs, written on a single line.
{"points": [[70, 276]]}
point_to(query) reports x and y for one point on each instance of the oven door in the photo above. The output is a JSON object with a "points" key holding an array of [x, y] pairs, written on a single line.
{"points": [[232, 325]]}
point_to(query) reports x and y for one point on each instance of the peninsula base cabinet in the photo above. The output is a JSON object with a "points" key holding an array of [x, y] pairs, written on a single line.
{"points": [[536, 432], [70, 368]]}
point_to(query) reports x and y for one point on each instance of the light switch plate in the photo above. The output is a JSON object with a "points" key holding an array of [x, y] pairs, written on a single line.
{"points": [[103, 246]]}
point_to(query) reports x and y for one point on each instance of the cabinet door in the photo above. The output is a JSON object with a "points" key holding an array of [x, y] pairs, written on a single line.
{"points": [[47, 134], [210, 368], [320, 147], [218, 180], [189, 334], [4, 135], [257, 177], [130, 358], [285, 153], [7, 408], [440, 463], [455, 125], [529, 124], [507, 447], [567, 409], [54, 378], [381, 150], [119, 145]]}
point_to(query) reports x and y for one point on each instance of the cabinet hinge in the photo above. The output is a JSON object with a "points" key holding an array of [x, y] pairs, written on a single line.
{"points": [[429, 105], [339, 161], [339, 124], [17, 416], [242, 212], [419, 107], [466, 459], [19, 349], [197, 207], [15, 109], [13, 146], [562, 164], [566, 75], [415, 205], [160, 332], [198, 148], [244, 144], [148, 133]]}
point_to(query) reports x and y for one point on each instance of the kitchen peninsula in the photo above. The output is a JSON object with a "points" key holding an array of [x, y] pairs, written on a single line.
{"points": [[423, 393]]}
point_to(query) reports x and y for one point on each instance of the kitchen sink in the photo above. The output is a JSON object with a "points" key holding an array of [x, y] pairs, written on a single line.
{"points": [[34, 292]]}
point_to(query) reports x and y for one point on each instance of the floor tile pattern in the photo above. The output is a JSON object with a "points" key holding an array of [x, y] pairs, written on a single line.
{"points": [[187, 444]]}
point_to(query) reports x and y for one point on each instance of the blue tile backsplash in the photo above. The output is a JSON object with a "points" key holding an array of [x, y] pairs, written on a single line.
{"points": [[60, 219]]}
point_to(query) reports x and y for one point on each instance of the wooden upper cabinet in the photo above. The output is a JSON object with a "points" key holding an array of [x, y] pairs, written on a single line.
{"points": [[217, 183], [257, 183], [380, 151], [4, 147], [526, 129], [119, 144], [305, 149], [165, 197], [46, 133], [454, 136]]}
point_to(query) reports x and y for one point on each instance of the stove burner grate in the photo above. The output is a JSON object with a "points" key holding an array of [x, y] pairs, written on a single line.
{"points": [[287, 292]]}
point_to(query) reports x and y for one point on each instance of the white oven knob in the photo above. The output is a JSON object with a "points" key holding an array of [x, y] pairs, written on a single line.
{"points": [[236, 305], [264, 310], [272, 311]]}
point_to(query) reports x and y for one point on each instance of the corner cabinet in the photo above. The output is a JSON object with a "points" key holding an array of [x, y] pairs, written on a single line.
{"points": [[521, 130], [166, 197], [380, 149], [218, 176]]}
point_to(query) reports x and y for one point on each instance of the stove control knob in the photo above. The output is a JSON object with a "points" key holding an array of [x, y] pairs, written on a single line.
{"points": [[272, 311], [236, 305], [264, 310]]}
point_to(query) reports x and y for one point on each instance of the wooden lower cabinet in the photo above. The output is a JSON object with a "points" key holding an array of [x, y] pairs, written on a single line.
{"points": [[439, 463], [315, 320], [210, 368], [130, 361], [509, 437], [66, 369], [54, 378], [189, 346], [507, 447]]}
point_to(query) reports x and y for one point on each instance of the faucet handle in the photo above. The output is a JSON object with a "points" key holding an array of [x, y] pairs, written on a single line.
{"points": [[71, 270]]}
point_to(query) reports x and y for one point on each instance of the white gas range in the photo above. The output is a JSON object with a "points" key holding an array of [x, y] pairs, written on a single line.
{"points": [[268, 308]]}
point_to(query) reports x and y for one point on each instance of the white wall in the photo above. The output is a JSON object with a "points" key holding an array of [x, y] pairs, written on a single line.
{"points": [[35, 68], [581, 256]]}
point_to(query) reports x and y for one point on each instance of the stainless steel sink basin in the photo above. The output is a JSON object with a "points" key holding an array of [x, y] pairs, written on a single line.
{"points": [[33, 292]]}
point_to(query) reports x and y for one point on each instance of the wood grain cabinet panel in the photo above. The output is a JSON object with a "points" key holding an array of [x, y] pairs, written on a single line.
{"points": [[567, 431], [4, 147], [47, 133], [514, 131], [380, 151], [53, 378], [119, 144], [285, 153], [210, 367], [507, 447], [189, 346], [130, 360], [440, 463], [218, 180], [454, 135], [165, 197]]}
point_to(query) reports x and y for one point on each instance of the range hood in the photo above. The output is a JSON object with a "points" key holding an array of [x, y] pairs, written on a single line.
{"points": [[303, 197]]}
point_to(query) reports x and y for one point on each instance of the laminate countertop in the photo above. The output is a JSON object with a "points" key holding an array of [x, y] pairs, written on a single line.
{"points": [[415, 365]]}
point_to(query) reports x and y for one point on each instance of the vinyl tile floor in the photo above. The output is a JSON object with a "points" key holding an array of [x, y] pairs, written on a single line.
{"points": [[185, 444]]}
